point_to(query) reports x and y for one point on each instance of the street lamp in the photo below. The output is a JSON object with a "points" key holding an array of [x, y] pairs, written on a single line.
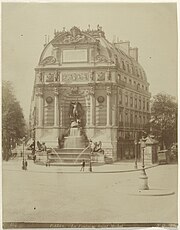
{"points": [[91, 151], [143, 177], [135, 151], [90, 162]]}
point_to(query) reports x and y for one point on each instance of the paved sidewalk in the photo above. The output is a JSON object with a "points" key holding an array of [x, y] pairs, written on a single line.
{"points": [[52, 194], [120, 167]]}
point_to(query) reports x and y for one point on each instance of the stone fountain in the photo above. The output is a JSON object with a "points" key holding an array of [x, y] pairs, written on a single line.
{"points": [[75, 147], [75, 140]]}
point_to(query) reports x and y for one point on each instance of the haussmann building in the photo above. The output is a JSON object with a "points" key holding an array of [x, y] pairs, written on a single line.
{"points": [[85, 82]]}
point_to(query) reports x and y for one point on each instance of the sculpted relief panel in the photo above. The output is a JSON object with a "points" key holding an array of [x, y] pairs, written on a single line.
{"points": [[78, 77], [47, 77]]}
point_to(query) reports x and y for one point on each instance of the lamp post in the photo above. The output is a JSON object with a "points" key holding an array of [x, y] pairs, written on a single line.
{"points": [[135, 151], [90, 164], [143, 177], [91, 151], [23, 154]]}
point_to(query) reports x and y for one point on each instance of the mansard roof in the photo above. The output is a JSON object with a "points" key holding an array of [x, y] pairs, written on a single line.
{"points": [[112, 52]]}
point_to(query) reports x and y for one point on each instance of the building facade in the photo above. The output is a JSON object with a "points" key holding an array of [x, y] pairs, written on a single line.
{"points": [[105, 78]]}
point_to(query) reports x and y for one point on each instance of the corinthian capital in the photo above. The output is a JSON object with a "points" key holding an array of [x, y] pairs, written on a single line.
{"points": [[91, 91], [56, 91], [108, 91]]}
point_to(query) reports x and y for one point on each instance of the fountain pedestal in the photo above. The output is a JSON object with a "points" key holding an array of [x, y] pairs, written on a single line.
{"points": [[75, 140]]}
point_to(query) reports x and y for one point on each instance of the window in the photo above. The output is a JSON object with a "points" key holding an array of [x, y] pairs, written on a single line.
{"points": [[128, 68], [130, 81], [144, 75], [126, 100], [132, 70], [131, 101], [135, 102], [131, 118], [120, 98], [139, 103], [143, 104], [135, 119], [140, 120], [125, 79], [140, 73], [136, 71], [134, 82], [143, 87], [124, 67], [147, 106], [119, 77], [126, 117]]}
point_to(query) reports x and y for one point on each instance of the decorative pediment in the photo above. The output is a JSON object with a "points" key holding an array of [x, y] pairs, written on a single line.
{"points": [[48, 60], [74, 36]]}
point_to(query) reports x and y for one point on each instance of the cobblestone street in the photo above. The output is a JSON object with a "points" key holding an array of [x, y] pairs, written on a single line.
{"points": [[66, 195]]}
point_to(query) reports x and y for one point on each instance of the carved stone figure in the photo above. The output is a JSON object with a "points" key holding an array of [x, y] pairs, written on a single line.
{"points": [[40, 76], [57, 75], [101, 76], [75, 112]]}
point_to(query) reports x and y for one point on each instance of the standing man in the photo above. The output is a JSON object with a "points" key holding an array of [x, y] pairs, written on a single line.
{"points": [[26, 164], [23, 165], [83, 165], [34, 158]]}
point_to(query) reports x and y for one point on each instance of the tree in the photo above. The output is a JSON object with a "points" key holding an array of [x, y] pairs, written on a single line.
{"points": [[13, 123], [164, 119]]}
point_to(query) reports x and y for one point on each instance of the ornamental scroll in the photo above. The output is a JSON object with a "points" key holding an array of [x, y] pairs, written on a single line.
{"points": [[78, 77]]}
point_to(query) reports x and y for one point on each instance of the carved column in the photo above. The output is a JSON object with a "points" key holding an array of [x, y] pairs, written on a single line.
{"points": [[87, 98], [61, 116], [39, 95], [60, 77], [114, 110], [108, 91], [56, 107], [92, 106]]}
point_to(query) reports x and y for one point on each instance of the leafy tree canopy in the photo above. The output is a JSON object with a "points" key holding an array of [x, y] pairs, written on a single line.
{"points": [[13, 123], [164, 119]]}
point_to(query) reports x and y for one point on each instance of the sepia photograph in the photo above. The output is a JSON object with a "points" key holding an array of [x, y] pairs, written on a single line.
{"points": [[89, 114]]}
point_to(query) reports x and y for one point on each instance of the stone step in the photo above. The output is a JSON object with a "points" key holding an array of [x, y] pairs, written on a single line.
{"points": [[65, 155], [69, 160], [73, 150], [66, 164]]}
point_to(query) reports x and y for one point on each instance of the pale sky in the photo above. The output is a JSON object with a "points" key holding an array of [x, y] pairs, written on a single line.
{"points": [[150, 27]]}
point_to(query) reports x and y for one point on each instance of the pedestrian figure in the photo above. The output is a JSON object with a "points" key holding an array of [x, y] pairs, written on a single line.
{"points": [[23, 165], [83, 165], [47, 163], [26, 164], [34, 158]]}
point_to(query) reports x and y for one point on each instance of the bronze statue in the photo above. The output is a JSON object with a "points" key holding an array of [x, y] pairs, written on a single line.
{"points": [[75, 112]]}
